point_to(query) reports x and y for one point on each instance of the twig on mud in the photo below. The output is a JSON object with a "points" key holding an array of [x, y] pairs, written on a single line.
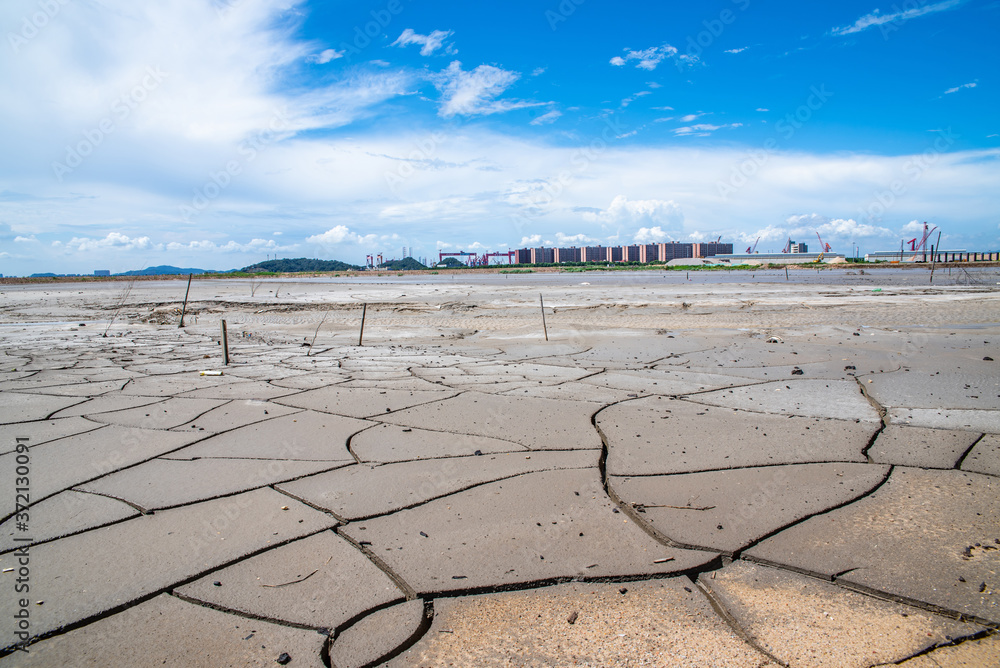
{"points": [[316, 333], [120, 302]]}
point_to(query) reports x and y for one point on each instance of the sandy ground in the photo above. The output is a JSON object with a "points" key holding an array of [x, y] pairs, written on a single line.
{"points": [[726, 468]]}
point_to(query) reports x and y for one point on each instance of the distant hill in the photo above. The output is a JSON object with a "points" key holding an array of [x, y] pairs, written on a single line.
{"points": [[406, 264], [301, 264], [450, 263], [167, 270]]}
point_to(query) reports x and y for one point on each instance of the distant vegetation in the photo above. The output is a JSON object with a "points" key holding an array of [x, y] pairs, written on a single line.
{"points": [[406, 264], [451, 263], [301, 264], [166, 270]]}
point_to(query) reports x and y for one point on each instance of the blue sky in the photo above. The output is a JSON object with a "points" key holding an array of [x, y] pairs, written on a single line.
{"points": [[215, 133]]}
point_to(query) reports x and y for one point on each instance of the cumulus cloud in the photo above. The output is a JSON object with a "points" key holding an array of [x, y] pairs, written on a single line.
{"points": [[474, 92], [532, 240], [114, 240], [809, 224], [913, 226], [876, 18], [574, 240], [25, 240], [647, 59], [254, 245], [323, 57], [428, 43], [652, 215], [341, 235], [647, 235]]}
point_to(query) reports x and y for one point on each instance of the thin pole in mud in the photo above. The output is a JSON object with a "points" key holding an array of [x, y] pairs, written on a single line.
{"points": [[364, 311], [185, 306], [309, 352], [544, 326], [934, 252], [786, 272], [225, 344]]}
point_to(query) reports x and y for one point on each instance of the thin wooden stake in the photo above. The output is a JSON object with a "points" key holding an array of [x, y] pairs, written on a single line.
{"points": [[184, 308], [309, 352], [786, 272], [544, 326], [364, 310], [225, 344], [934, 252]]}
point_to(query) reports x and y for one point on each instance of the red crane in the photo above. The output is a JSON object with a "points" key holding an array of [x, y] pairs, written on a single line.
{"points": [[922, 244], [752, 250], [788, 246], [823, 246], [472, 261]]}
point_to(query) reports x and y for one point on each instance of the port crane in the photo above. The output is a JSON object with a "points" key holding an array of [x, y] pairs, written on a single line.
{"points": [[823, 248], [470, 261], [373, 261], [788, 246], [916, 245], [752, 250]]}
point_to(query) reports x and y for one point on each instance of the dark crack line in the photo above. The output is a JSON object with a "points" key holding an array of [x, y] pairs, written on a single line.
{"points": [[397, 579], [169, 589], [741, 468], [422, 502], [425, 625], [738, 554], [961, 460], [726, 616]]}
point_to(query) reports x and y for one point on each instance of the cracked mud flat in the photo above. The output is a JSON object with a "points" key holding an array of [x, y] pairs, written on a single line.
{"points": [[655, 485]]}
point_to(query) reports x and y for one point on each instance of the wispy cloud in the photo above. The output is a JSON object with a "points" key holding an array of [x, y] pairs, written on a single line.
{"points": [[428, 43], [703, 129], [739, 50], [647, 59], [545, 119], [876, 18], [958, 88], [323, 57], [474, 92]]}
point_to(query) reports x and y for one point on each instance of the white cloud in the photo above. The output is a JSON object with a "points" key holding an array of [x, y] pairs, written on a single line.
{"points": [[876, 18], [652, 213], [533, 240], [739, 50], [341, 234], [958, 88], [474, 92], [428, 43], [690, 117], [206, 246], [545, 119], [323, 57], [762, 109], [632, 98], [810, 224], [574, 239], [114, 240], [769, 233], [647, 59], [648, 235], [703, 129], [25, 240], [538, 71], [913, 226]]}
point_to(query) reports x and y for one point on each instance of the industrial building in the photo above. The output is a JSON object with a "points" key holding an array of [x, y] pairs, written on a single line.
{"points": [[932, 256], [645, 253]]}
